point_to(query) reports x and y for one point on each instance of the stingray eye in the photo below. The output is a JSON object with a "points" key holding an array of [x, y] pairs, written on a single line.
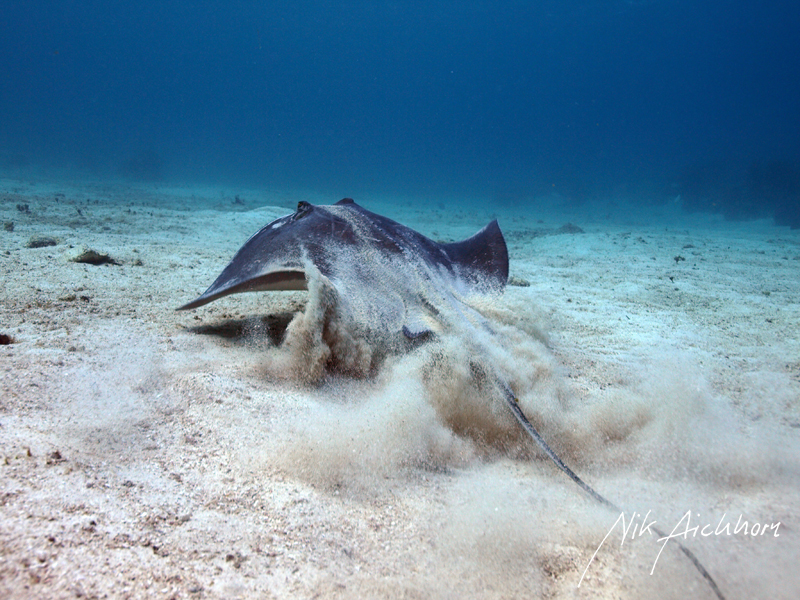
{"points": [[303, 208]]}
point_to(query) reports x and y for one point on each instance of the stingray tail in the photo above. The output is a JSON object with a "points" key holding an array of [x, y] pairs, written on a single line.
{"points": [[511, 401]]}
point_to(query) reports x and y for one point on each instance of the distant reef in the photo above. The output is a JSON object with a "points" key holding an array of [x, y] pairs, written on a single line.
{"points": [[763, 189]]}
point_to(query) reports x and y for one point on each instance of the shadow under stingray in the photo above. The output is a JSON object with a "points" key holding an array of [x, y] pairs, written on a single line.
{"points": [[239, 331]]}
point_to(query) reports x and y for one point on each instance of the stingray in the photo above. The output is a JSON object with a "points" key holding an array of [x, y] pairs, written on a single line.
{"points": [[391, 282]]}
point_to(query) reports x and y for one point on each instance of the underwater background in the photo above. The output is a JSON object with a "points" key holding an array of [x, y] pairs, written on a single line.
{"points": [[642, 159], [503, 102]]}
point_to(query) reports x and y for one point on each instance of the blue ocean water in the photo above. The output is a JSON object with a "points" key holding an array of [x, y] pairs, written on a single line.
{"points": [[503, 102]]}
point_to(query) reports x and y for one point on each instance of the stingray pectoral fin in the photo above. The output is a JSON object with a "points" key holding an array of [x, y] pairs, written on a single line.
{"points": [[418, 323], [485, 254], [275, 281]]}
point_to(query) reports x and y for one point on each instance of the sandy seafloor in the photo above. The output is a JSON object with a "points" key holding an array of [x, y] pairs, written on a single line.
{"points": [[153, 453]]}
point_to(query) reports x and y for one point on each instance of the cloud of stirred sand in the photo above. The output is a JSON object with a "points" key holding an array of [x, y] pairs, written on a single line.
{"points": [[437, 405], [383, 417]]}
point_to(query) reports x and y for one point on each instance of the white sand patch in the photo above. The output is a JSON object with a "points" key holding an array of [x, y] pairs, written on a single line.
{"points": [[145, 456]]}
